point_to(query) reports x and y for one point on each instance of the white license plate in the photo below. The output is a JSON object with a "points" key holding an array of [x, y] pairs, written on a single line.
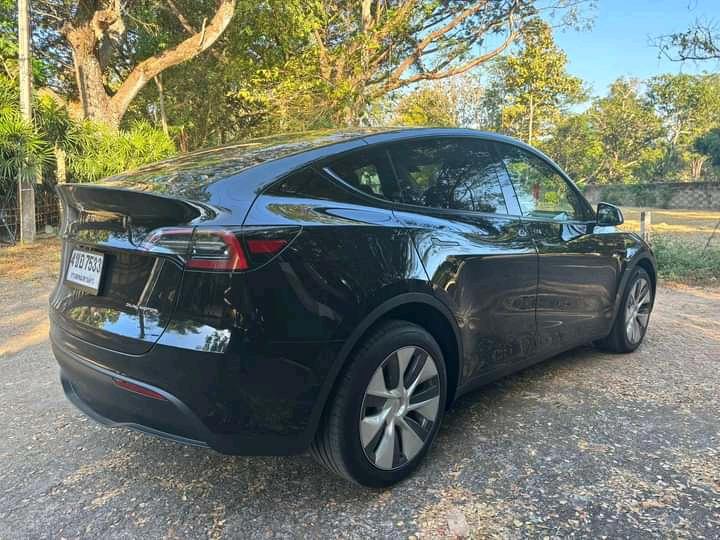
{"points": [[85, 270]]}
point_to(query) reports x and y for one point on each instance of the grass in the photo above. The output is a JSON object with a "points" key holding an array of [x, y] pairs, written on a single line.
{"points": [[686, 262], [679, 239]]}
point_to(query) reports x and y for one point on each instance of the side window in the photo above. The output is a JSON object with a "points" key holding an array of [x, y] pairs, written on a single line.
{"points": [[541, 191], [368, 171], [309, 184], [459, 174]]}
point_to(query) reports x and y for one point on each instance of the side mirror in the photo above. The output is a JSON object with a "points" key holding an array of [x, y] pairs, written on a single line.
{"points": [[609, 215]]}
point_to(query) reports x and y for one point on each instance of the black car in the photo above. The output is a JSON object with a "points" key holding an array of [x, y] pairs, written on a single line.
{"points": [[333, 291]]}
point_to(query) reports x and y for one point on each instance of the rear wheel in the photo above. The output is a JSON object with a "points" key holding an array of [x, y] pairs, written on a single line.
{"points": [[387, 407], [633, 316]]}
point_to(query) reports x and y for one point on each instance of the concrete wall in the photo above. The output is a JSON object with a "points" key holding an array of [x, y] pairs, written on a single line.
{"points": [[693, 195]]}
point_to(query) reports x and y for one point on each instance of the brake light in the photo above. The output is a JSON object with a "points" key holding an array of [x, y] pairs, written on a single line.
{"points": [[215, 248], [266, 247]]}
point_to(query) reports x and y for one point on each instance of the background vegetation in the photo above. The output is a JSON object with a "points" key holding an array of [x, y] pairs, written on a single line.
{"points": [[119, 83]]}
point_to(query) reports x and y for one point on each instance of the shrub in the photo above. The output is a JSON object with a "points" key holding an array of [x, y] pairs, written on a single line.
{"points": [[99, 151], [680, 260], [93, 150]]}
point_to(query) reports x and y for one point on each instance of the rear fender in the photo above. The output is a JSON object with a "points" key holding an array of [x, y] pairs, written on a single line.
{"points": [[359, 332]]}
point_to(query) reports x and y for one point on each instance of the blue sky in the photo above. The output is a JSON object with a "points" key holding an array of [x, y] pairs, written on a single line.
{"points": [[619, 42]]}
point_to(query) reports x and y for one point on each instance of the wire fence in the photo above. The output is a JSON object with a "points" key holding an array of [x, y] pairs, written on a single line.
{"points": [[47, 217], [692, 227]]}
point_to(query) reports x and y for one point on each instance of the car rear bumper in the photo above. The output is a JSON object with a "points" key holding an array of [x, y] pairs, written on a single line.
{"points": [[221, 404], [93, 390]]}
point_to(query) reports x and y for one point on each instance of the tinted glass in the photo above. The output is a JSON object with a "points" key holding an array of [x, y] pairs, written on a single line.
{"points": [[368, 171], [540, 189], [309, 184], [459, 174]]}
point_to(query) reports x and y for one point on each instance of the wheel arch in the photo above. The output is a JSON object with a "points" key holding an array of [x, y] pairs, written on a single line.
{"points": [[649, 267], [419, 308], [643, 260]]}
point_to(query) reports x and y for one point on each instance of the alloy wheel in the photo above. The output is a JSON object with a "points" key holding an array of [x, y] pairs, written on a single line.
{"points": [[400, 408], [637, 310]]}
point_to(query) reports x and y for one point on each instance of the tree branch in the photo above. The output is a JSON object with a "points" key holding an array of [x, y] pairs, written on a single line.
{"points": [[191, 47], [184, 22], [394, 83], [431, 38]]}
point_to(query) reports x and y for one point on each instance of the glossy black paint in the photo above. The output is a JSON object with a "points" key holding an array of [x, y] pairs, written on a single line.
{"points": [[247, 359]]}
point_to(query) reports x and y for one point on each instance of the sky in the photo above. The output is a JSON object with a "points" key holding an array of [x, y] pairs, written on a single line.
{"points": [[619, 42]]}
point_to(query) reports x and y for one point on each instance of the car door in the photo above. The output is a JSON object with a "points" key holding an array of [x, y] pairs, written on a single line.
{"points": [[480, 260], [579, 263]]}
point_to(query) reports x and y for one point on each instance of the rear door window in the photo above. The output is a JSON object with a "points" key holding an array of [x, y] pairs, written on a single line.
{"points": [[458, 174]]}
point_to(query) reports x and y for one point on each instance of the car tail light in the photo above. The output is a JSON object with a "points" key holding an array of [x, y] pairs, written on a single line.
{"points": [[220, 249], [266, 247], [216, 249]]}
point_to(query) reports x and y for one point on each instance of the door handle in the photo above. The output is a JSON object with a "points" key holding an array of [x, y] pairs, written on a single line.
{"points": [[443, 243]]}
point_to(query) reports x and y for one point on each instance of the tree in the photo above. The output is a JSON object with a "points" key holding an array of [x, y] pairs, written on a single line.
{"points": [[296, 65], [689, 106], [101, 47], [700, 42], [455, 102], [709, 145], [367, 49], [629, 131], [576, 147], [428, 106], [531, 89], [243, 87]]}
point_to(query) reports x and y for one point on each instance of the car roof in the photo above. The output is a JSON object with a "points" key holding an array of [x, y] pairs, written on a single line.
{"points": [[252, 164]]}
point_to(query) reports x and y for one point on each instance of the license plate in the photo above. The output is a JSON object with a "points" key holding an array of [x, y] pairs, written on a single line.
{"points": [[85, 270]]}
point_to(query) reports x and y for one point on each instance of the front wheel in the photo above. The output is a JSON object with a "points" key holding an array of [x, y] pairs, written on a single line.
{"points": [[633, 317], [387, 407]]}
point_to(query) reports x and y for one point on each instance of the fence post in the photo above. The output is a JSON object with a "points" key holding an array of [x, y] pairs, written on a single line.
{"points": [[645, 225]]}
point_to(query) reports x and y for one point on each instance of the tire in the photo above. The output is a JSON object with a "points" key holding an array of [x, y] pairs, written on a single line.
{"points": [[361, 454], [623, 339]]}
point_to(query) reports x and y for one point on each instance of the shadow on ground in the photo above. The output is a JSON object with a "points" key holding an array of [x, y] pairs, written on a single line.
{"points": [[588, 444]]}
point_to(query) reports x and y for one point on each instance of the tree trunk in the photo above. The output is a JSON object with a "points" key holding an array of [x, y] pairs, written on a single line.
{"points": [[88, 36], [696, 166], [94, 100], [60, 165], [531, 120], [161, 99]]}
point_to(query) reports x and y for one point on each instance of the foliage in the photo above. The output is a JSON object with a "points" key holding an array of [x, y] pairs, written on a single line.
{"points": [[279, 65], [99, 151], [700, 42], [103, 52], [291, 65], [94, 150], [576, 147], [679, 260], [22, 147], [455, 102], [531, 89], [617, 140], [709, 145], [629, 130], [427, 106], [688, 106]]}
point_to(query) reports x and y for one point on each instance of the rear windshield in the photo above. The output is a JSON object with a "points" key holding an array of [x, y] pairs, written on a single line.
{"points": [[189, 175]]}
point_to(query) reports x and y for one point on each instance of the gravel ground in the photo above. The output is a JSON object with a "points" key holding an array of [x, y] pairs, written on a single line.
{"points": [[586, 444]]}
